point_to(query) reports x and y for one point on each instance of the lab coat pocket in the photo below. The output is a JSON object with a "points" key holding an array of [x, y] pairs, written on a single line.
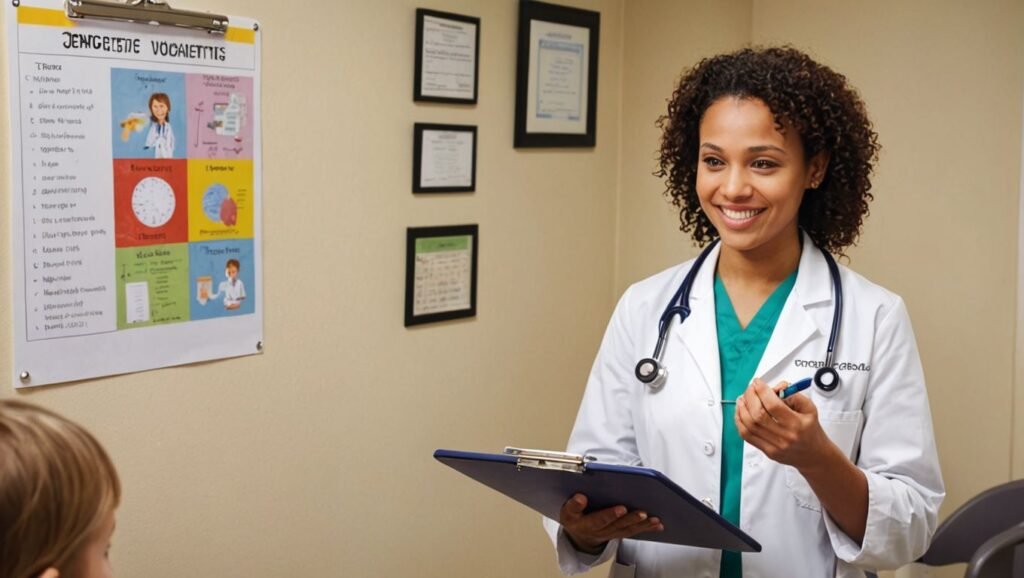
{"points": [[801, 491], [843, 428]]}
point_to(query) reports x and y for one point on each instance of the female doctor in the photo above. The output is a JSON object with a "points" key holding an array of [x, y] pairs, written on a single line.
{"points": [[770, 153], [161, 135]]}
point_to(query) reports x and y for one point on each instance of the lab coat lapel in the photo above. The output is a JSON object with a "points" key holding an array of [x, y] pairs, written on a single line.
{"points": [[796, 324], [699, 333]]}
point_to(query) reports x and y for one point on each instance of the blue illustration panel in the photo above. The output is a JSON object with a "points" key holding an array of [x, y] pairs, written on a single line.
{"points": [[149, 112], [221, 279]]}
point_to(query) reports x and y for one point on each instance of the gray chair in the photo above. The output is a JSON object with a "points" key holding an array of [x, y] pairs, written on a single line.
{"points": [[1002, 556], [990, 520]]}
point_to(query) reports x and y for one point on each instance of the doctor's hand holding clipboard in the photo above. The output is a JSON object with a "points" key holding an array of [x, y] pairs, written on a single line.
{"points": [[590, 532], [768, 156]]}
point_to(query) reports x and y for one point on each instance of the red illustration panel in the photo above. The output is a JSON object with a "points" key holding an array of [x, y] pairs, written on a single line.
{"points": [[150, 202]]}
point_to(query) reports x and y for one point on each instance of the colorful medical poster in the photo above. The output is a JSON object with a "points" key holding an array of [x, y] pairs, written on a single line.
{"points": [[136, 194]]}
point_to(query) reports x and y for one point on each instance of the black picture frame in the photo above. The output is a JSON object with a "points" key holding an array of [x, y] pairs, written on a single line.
{"points": [[415, 234], [419, 94], [531, 11], [419, 130]]}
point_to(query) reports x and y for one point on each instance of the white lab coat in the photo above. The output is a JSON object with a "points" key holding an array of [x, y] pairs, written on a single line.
{"points": [[879, 416], [233, 291], [161, 140]]}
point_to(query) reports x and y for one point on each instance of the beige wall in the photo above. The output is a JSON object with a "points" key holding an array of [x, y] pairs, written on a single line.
{"points": [[315, 458]]}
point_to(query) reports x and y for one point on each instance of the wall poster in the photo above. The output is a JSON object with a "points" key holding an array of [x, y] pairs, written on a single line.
{"points": [[136, 194]]}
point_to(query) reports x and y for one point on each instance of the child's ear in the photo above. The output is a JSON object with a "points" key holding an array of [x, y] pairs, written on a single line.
{"points": [[50, 573]]}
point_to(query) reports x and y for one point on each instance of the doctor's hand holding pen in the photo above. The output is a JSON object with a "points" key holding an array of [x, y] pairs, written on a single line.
{"points": [[788, 432], [590, 532]]}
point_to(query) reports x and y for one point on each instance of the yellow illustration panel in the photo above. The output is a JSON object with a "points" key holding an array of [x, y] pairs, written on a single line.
{"points": [[220, 200]]}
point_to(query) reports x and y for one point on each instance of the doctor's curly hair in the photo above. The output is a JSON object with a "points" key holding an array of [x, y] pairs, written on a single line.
{"points": [[827, 113]]}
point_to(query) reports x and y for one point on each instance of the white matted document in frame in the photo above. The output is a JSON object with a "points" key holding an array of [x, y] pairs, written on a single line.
{"points": [[447, 57], [556, 76], [444, 158], [136, 195]]}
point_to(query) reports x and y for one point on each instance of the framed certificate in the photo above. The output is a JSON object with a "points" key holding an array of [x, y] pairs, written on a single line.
{"points": [[443, 158], [447, 57], [556, 76], [440, 273]]}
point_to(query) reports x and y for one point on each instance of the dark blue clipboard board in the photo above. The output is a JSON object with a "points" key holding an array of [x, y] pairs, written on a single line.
{"points": [[687, 521]]}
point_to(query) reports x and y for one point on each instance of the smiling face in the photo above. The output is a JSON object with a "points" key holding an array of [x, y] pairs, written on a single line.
{"points": [[751, 177], [159, 110], [159, 107]]}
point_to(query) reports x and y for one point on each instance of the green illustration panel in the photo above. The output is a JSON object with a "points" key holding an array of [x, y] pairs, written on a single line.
{"points": [[152, 285]]}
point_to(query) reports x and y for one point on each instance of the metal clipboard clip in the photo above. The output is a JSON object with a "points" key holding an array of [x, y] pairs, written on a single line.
{"points": [[146, 12], [548, 460]]}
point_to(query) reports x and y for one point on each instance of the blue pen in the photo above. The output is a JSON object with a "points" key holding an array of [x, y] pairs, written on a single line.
{"points": [[796, 388], [793, 389]]}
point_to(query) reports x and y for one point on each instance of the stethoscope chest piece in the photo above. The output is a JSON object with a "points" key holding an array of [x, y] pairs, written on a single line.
{"points": [[651, 373], [826, 379]]}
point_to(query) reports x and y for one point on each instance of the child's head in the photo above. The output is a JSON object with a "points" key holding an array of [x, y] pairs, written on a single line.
{"points": [[231, 268], [58, 492], [159, 107]]}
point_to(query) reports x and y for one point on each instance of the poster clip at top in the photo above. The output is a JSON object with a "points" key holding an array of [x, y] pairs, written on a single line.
{"points": [[156, 12]]}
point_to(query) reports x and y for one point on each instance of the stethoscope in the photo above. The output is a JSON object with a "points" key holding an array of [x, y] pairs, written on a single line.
{"points": [[650, 370]]}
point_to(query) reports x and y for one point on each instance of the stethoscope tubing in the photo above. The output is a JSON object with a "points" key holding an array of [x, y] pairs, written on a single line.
{"points": [[682, 296], [826, 377]]}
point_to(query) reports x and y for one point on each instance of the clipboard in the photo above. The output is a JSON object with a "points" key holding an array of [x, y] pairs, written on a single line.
{"points": [[544, 480]]}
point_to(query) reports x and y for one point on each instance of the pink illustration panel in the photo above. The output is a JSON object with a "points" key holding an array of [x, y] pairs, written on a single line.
{"points": [[219, 116]]}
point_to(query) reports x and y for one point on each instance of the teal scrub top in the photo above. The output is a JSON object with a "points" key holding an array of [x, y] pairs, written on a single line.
{"points": [[739, 352]]}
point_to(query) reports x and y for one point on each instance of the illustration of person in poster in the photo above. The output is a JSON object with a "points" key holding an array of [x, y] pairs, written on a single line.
{"points": [[232, 287], [161, 135]]}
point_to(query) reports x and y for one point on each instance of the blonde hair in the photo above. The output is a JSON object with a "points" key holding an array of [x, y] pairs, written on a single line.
{"points": [[57, 485]]}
